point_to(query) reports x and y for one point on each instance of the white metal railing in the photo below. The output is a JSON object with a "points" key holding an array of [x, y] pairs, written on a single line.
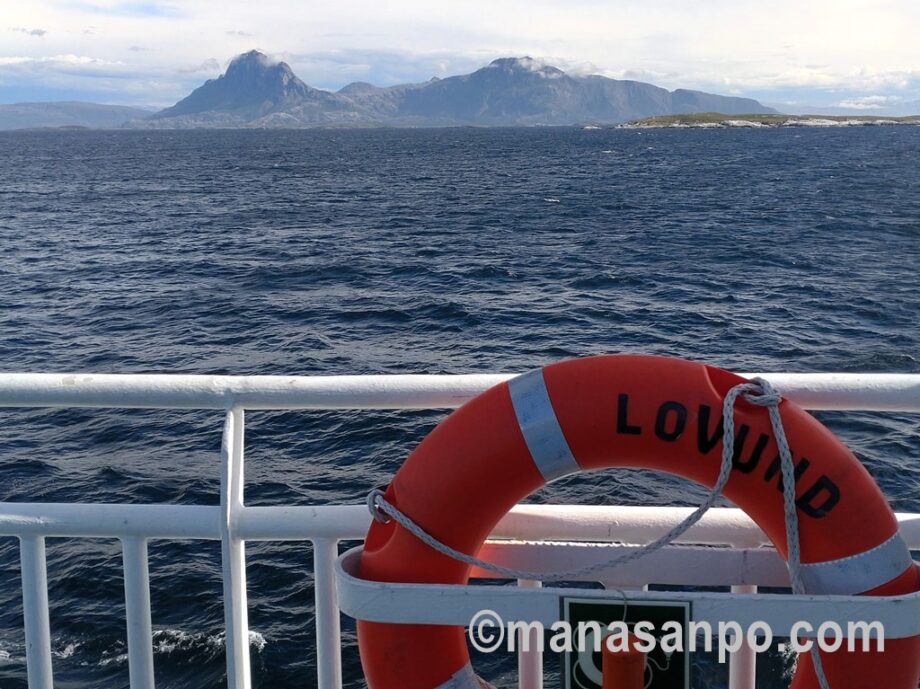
{"points": [[325, 525]]}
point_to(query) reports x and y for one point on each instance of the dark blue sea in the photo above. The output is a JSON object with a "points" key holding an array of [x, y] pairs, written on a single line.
{"points": [[421, 251]]}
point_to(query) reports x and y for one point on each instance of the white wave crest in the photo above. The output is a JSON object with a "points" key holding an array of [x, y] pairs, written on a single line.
{"points": [[170, 641]]}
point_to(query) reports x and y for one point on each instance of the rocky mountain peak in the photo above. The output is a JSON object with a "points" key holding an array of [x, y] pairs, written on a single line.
{"points": [[254, 84], [525, 65]]}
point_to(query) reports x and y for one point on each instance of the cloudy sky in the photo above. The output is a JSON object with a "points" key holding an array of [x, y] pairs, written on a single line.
{"points": [[854, 53]]}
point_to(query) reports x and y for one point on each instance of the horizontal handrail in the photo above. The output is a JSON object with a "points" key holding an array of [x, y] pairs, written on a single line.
{"points": [[587, 523], [456, 604], [233, 523], [819, 391]]}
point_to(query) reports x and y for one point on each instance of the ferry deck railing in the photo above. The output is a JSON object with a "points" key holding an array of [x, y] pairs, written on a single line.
{"points": [[233, 523]]}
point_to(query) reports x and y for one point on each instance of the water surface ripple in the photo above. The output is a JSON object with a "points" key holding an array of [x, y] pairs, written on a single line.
{"points": [[427, 251]]}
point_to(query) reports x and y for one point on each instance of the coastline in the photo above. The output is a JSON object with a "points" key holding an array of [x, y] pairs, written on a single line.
{"points": [[711, 120]]}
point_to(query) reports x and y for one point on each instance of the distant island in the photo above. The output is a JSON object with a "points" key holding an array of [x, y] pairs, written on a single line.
{"points": [[67, 115], [258, 92], [717, 120]]}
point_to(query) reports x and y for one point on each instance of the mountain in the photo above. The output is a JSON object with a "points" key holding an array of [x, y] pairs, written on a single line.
{"points": [[253, 88], [379, 103], [66, 114], [522, 91], [257, 92]]}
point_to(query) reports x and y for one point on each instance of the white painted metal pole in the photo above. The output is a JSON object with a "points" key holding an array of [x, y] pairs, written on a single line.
{"points": [[742, 664], [137, 609], [236, 618], [35, 612], [720, 526], [328, 627], [840, 391], [530, 662], [110, 521]]}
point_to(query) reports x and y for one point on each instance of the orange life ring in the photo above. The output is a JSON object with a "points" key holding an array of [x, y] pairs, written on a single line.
{"points": [[629, 411]]}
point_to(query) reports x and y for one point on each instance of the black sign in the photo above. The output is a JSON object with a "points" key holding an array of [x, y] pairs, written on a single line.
{"points": [[667, 665]]}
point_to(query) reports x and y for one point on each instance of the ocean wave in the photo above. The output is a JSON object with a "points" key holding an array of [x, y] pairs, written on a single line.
{"points": [[182, 646], [417, 251]]}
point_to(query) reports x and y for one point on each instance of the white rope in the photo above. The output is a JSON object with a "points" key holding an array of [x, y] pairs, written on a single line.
{"points": [[758, 392], [770, 398]]}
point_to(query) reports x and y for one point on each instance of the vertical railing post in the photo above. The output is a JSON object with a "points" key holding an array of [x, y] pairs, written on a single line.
{"points": [[35, 611], [742, 664], [530, 662], [328, 627], [137, 612], [233, 551]]}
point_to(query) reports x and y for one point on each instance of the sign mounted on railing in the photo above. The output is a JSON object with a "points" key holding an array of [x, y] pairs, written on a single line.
{"points": [[661, 626]]}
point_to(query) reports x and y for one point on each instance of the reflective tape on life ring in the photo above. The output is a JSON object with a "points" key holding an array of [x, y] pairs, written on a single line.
{"points": [[540, 427], [464, 678], [858, 573]]}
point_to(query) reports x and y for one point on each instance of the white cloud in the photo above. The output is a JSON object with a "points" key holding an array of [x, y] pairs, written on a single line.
{"points": [[870, 102], [108, 81], [333, 69], [53, 59], [209, 65], [863, 46], [815, 78], [30, 32]]}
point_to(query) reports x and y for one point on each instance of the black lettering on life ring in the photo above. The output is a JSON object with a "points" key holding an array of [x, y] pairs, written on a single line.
{"points": [[679, 413], [806, 502], [623, 425]]}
